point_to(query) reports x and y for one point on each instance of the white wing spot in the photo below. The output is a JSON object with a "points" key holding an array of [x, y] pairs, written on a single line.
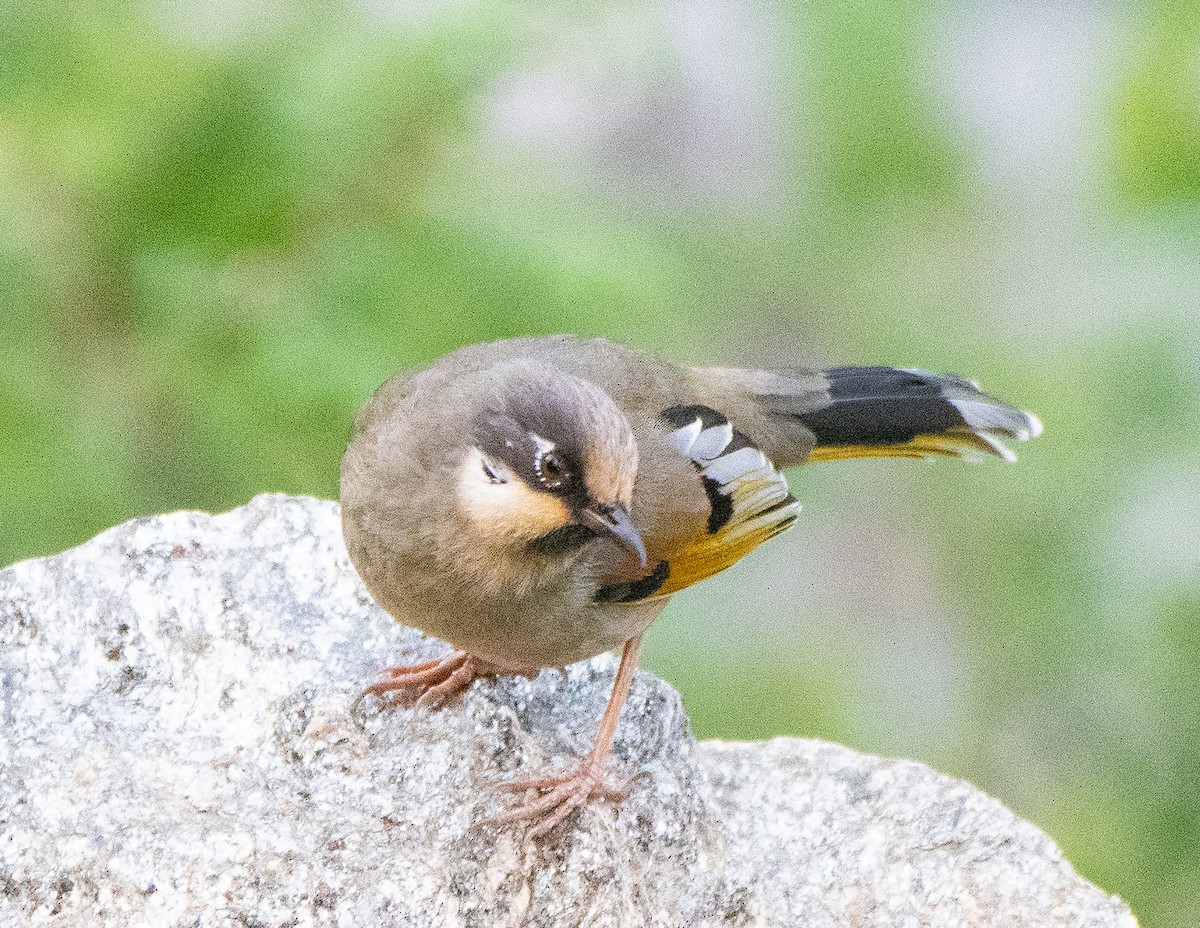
{"points": [[746, 475], [684, 437], [712, 442], [740, 465]]}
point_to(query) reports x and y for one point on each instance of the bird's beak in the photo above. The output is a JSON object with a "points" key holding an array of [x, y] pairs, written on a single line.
{"points": [[615, 522]]}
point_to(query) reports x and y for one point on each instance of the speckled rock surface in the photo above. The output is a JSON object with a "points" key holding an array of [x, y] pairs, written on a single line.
{"points": [[176, 749]]}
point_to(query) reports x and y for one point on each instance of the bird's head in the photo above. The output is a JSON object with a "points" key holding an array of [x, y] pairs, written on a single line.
{"points": [[551, 465]]}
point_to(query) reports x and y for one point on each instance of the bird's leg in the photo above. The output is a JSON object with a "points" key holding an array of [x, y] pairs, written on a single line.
{"points": [[586, 781]]}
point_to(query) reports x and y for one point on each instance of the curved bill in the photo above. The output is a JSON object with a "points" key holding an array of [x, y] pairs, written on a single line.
{"points": [[615, 522]]}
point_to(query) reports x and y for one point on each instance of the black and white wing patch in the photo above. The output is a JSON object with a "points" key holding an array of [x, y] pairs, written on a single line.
{"points": [[749, 498]]}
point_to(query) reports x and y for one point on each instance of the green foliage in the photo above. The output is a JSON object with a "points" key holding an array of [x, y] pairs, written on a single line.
{"points": [[1157, 150], [217, 237]]}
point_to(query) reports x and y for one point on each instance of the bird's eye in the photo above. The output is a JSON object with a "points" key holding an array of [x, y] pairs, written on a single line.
{"points": [[553, 470]]}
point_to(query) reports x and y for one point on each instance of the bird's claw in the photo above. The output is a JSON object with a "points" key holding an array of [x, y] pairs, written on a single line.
{"points": [[561, 794], [433, 682]]}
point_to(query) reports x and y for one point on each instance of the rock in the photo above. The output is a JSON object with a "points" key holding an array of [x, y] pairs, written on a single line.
{"points": [[177, 750]]}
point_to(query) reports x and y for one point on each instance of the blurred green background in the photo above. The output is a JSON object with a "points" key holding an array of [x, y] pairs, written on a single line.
{"points": [[223, 223]]}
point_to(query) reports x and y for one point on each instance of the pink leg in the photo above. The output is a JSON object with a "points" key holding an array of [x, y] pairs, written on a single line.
{"points": [[458, 681], [587, 780], [412, 668], [432, 682], [435, 682]]}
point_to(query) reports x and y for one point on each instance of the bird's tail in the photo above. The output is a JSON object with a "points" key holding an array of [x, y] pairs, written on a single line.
{"points": [[886, 412], [863, 412]]}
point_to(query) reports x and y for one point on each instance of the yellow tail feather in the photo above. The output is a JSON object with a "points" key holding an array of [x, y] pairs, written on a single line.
{"points": [[970, 445]]}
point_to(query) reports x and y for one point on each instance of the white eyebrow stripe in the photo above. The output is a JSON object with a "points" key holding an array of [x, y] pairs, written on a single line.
{"points": [[542, 444]]}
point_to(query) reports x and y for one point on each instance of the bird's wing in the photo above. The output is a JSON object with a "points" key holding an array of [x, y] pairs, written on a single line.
{"points": [[797, 416], [748, 501]]}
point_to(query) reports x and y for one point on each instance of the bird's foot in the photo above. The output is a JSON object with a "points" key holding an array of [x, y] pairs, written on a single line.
{"points": [[432, 682], [561, 794]]}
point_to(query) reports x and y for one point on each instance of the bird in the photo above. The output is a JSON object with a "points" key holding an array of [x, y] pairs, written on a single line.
{"points": [[536, 501]]}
